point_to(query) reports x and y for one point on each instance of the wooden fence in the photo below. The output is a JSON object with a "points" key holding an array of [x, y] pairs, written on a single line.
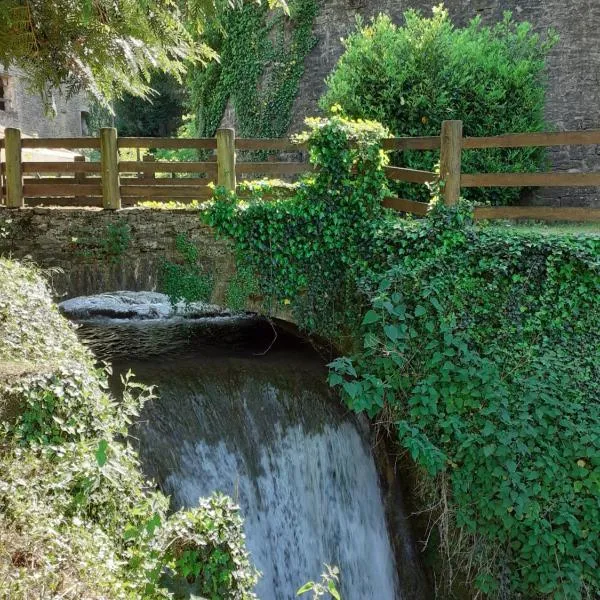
{"points": [[112, 183]]}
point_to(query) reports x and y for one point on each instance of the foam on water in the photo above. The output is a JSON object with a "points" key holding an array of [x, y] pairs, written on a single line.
{"points": [[316, 501]]}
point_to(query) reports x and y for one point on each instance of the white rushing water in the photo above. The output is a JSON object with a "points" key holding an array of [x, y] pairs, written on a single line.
{"points": [[270, 435], [264, 429], [316, 500]]}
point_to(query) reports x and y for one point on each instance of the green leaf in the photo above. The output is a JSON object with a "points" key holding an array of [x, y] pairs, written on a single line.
{"points": [[489, 450], [130, 533], [333, 590], [153, 523], [419, 310], [352, 388], [305, 588], [101, 453], [335, 379], [370, 317], [392, 332], [370, 341]]}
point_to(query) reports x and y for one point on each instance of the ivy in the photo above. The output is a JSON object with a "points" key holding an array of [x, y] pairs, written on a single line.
{"points": [[483, 348], [109, 246], [478, 344], [304, 247], [185, 280], [261, 62]]}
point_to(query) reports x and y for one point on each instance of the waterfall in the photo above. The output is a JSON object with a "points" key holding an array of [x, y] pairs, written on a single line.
{"points": [[267, 431]]}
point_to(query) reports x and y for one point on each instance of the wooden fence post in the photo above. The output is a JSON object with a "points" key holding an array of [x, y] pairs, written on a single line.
{"points": [[111, 197], [144, 174], [79, 177], [450, 160], [226, 158], [14, 168]]}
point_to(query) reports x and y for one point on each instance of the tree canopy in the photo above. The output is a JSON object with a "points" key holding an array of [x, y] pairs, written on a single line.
{"points": [[106, 47]]}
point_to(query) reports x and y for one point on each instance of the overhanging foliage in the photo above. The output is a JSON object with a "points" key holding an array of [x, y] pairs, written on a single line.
{"points": [[105, 47]]}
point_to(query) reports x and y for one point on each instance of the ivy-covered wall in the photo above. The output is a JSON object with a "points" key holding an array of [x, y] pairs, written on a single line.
{"points": [[262, 56], [274, 70]]}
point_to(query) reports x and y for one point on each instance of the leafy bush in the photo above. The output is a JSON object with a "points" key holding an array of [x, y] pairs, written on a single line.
{"points": [[482, 348], [302, 247], [326, 587], [77, 519], [204, 555], [478, 344], [411, 78]]}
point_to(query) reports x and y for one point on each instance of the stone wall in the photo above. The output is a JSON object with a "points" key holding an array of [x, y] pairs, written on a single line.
{"points": [[574, 67], [26, 111], [57, 239]]}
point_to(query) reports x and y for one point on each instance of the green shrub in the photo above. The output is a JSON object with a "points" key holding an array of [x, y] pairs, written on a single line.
{"points": [[108, 246], [478, 344], [327, 586], [159, 115], [204, 555], [77, 519], [411, 78]]}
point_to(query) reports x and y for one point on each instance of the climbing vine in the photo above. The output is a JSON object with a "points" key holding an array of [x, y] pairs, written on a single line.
{"points": [[477, 344], [311, 247], [184, 279], [107, 245], [481, 349], [262, 56]]}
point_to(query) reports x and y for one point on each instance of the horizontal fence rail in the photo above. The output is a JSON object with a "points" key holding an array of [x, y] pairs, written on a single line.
{"points": [[110, 182], [530, 180], [168, 143], [127, 166], [538, 213], [534, 140], [410, 175]]}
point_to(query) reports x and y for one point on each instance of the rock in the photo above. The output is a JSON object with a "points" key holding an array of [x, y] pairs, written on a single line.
{"points": [[136, 306]]}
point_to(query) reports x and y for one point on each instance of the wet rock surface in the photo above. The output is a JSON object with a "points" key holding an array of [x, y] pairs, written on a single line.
{"points": [[136, 305]]}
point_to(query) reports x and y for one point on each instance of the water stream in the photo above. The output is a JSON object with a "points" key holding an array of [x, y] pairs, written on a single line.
{"points": [[264, 429]]}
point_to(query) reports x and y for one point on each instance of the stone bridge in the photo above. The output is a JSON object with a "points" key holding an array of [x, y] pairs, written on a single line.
{"points": [[88, 251]]}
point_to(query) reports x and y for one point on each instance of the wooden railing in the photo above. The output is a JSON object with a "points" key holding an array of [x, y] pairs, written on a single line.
{"points": [[451, 143], [112, 183]]}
